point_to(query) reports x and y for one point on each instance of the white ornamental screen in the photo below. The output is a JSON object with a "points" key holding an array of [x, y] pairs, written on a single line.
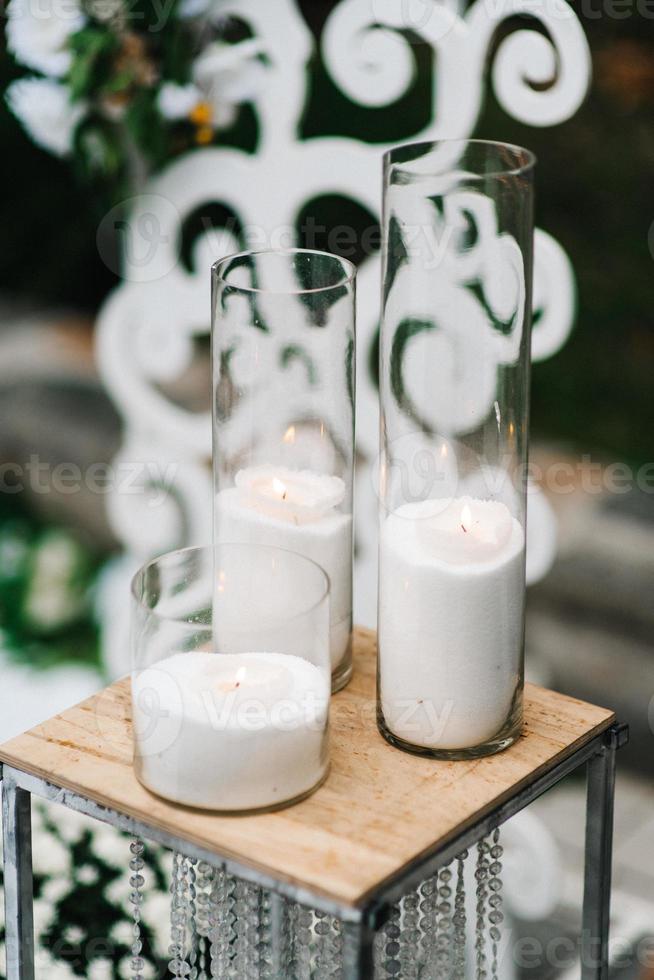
{"points": [[149, 326]]}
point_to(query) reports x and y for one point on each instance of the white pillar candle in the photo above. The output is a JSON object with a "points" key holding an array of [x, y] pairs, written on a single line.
{"points": [[450, 621], [231, 731], [296, 510]]}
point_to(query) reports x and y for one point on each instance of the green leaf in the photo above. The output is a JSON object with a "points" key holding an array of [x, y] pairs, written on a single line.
{"points": [[177, 52], [93, 50], [146, 127], [120, 82], [98, 149]]}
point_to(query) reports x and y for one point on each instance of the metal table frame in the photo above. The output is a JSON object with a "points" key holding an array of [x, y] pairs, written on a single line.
{"points": [[359, 922]]}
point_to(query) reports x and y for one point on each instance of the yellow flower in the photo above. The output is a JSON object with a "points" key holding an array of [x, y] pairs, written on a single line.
{"points": [[204, 134], [201, 115]]}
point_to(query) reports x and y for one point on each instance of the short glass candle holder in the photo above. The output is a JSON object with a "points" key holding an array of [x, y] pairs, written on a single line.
{"points": [[454, 379], [283, 413], [231, 677]]}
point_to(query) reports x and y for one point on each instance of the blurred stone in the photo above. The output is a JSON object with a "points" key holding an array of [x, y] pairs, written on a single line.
{"points": [[590, 622], [57, 420]]}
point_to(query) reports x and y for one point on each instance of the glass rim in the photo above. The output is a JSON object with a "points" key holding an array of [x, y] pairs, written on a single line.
{"points": [[528, 156], [349, 271], [178, 552]]}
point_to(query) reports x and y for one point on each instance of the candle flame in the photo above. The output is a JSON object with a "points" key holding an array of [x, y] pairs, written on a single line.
{"points": [[221, 581], [241, 674], [289, 435], [279, 488], [444, 450], [466, 517]]}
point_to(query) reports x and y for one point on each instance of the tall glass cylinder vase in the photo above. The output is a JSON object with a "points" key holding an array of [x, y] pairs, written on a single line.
{"points": [[283, 374], [454, 380]]}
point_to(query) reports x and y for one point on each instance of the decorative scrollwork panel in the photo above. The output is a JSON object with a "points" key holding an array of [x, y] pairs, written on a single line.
{"points": [[148, 326]]}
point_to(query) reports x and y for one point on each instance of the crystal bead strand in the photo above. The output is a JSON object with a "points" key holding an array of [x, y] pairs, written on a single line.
{"points": [[221, 923], [428, 924], [495, 915], [253, 932], [459, 918], [260, 904], [481, 876], [245, 964], [389, 946], [410, 935], [204, 882], [267, 969], [335, 944], [301, 922], [329, 946], [178, 965], [444, 929], [136, 882], [191, 909], [276, 937], [239, 962]]}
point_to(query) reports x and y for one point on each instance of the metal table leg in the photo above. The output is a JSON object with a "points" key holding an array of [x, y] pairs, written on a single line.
{"points": [[599, 850], [358, 960], [17, 842], [279, 930]]}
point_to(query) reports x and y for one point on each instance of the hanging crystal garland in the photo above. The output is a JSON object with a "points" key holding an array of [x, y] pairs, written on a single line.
{"points": [[495, 916], [247, 928], [410, 937], [428, 922], [268, 968], [301, 922], [481, 876], [425, 933], [221, 919], [387, 946], [136, 882], [192, 912], [224, 928], [178, 950], [444, 945], [203, 883], [489, 906], [459, 918], [329, 946]]}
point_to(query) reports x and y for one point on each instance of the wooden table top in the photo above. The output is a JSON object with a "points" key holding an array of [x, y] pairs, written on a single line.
{"points": [[378, 811]]}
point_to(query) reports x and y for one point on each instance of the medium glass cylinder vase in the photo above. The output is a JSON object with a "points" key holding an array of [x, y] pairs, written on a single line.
{"points": [[454, 380], [283, 373]]}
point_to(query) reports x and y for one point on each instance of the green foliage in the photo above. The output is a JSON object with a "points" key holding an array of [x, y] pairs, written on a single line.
{"points": [[146, 128], [46, 580], [88, 924], [93, 50], [176, 54], [98, 150]]}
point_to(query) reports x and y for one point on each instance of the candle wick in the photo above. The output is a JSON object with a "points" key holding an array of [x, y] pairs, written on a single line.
{"points": [[284, 495], [464, 529]]}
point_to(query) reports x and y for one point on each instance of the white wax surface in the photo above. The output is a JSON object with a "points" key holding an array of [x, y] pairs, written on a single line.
{"points": [[450, 634], [296, 496], [211, 735], [327, 541]]}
